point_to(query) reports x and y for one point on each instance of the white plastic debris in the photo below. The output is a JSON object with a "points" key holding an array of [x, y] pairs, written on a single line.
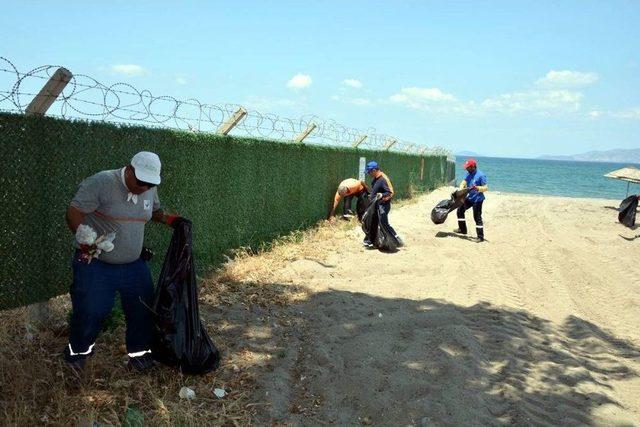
{"points": [[219, 392], [85, 235], [380, 315], [105, 243], [105, 246], [187, 393]]}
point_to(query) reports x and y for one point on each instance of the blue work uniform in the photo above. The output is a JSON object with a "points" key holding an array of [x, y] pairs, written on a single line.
{"points": [[382, 185], [474, 200]]}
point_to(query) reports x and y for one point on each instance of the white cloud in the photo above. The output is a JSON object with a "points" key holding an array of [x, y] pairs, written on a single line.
{"points": [[543, 102], [355, 83], [129, 69], [594, 114], [567, 79], [629, 114], [299, 81], [181, 81], [419, 95], [360, 102], [435, 100], [267, 104]]}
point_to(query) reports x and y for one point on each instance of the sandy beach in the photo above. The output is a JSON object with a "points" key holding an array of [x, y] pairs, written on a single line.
{"points": [[536, 326]]}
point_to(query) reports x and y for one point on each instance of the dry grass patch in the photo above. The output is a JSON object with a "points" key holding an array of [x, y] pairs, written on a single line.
{"points": [[38, 389], [264, 265]]}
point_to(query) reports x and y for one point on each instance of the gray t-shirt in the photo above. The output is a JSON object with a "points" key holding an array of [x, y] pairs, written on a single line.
{"points": [[103, 197]]}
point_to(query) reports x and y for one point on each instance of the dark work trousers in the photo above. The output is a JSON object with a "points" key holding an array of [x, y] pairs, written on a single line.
{"points": [[347, 204], [93, 293], [384, 217], [349, 199], [477, 217]]}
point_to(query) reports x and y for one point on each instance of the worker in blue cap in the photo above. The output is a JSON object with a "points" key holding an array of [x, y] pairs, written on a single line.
{"points": [[381, 188]]}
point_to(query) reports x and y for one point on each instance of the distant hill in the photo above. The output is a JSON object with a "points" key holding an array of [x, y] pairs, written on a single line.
{"points": [[619, 156], [467, 154]]}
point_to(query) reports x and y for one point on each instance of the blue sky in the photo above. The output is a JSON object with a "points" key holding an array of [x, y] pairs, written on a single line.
{"points": [[506, 78]]}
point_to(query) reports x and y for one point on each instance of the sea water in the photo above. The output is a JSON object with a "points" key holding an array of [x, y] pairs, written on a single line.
{"points": [[551, 177]]}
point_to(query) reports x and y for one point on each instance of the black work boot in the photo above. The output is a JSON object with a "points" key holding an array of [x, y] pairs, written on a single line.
{"points": [[141, 364], [75, 362]]}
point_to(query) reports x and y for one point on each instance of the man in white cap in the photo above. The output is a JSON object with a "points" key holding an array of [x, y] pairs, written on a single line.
{"points": [[113, 206]]}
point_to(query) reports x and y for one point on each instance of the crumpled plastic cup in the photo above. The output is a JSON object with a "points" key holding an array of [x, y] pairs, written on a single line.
{"points": [[187, 393]]}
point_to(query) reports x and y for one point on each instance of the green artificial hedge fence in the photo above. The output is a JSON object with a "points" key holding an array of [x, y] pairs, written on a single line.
{"points": [[237, 191]]}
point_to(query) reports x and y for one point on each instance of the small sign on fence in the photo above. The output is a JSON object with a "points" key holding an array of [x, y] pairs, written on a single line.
{"points": [[363, 162]]}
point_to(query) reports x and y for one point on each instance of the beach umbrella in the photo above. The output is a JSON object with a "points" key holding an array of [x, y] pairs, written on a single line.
{"points": [[629, 174]]}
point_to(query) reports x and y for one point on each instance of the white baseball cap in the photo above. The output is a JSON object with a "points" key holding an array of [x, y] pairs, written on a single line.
{"points": [[147, 167]]}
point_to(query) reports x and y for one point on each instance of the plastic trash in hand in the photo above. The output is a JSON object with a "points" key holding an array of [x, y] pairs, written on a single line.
{"points": [[105, 246], [85, 235], [105, 243]]}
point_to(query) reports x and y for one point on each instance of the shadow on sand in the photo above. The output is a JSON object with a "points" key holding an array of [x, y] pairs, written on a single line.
{"points": [[443, 234], [342, 357], [630, 239]]}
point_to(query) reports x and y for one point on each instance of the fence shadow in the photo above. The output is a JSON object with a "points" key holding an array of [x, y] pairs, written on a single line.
{"points": [[351, 358], [295, 357]]}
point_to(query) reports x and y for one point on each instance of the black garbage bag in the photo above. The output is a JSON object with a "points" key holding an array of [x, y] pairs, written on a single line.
{"points": [[179, 337], [627, 211], [378, 233], [444, 207], [362, 204], [441, 211]]}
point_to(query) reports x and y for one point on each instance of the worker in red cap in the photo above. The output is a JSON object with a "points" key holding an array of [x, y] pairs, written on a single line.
{"points": [[477, 181]]}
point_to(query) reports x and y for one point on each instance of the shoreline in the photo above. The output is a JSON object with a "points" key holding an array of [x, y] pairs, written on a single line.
{"points": [[513, 193], [551, 160], [560, 196]]}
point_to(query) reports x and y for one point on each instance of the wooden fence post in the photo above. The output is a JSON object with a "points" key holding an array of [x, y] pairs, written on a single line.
{"points": [[359, 141], [232, 122], [306, 132], [49, 92]]}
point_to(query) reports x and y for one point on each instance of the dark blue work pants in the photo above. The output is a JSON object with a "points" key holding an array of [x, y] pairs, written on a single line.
{"points": [[93, 293]]}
